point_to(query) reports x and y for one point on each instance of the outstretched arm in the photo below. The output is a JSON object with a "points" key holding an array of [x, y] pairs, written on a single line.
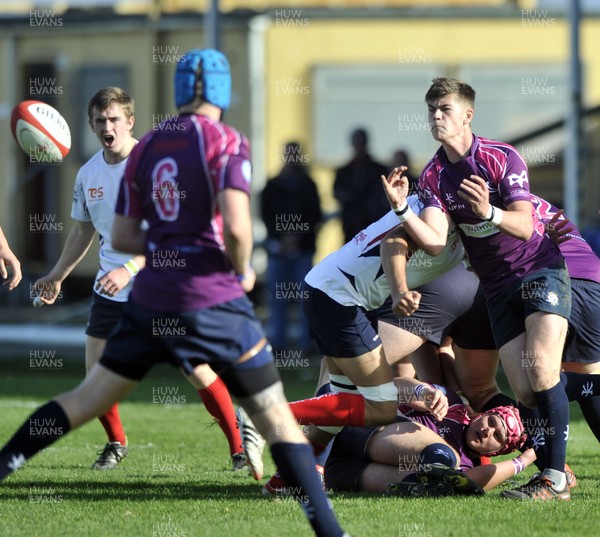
{"points": [[492, 475]]}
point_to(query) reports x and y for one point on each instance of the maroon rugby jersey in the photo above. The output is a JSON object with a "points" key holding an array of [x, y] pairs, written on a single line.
{"points": [[498, 259], [171, 181], [582, 262]]}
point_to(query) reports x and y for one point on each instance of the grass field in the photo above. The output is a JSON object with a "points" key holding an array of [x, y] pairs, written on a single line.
{"points": [[176, 480]]}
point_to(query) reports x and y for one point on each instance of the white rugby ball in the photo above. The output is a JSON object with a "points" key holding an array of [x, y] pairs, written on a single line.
{"points": [[40, 131]]}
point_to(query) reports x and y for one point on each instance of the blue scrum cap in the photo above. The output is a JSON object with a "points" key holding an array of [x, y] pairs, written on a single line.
{"points": [[211, 68]]}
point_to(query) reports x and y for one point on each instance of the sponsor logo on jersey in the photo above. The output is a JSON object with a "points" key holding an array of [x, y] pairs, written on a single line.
{"points": [[456, 207], [483, 229], [95, 193]]}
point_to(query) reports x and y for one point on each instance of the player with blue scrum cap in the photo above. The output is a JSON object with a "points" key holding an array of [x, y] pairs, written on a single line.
{"points": [[210, 228]]}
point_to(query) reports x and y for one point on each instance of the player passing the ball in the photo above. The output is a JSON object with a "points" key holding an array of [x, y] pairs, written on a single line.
{"points": [[482, 185], [111, 117], [189, 180]]}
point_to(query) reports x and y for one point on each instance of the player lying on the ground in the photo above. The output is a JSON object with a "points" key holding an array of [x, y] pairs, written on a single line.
{"points": [[342, 289], [398, 457], [579, 387]]}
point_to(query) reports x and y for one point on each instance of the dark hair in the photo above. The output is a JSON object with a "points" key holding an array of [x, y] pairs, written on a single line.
{"points": [[360, 134], [107, 96], [440, 87]]}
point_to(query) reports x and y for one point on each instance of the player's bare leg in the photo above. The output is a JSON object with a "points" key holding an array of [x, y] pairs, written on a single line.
{"points": [[98, 392], [373, 377], [475, 370], [274, 420], [398, 344], [426, 362]]}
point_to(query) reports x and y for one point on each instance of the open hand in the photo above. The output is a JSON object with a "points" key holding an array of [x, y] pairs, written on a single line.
{"points": [[396, 187]]}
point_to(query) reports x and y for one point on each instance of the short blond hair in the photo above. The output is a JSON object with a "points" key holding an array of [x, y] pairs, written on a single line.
{"points": [[103, 98]]}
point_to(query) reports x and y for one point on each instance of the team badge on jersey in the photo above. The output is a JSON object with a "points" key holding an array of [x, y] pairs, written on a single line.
{"points": [[552, 298], [514, 179]]}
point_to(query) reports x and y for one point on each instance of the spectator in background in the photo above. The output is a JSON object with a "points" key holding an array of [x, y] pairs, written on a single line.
{"points": [[291, 211], [356, 188], [402, 158]]}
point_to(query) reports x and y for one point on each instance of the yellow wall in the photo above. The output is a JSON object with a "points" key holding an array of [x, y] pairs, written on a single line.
{"points": [[292, 51], [174, 6]]}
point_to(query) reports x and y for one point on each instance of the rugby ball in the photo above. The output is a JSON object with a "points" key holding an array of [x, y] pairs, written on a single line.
{"points": [[40, 131]]}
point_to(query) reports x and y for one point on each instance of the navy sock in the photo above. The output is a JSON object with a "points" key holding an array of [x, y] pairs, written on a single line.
{"points": [[296, 465], [590, 407], [553, 406], [46, 425], [585, 389], [579, 385]]}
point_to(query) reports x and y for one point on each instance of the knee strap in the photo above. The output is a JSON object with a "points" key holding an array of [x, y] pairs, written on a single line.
{"points": [[381, 393], [341, 384]]}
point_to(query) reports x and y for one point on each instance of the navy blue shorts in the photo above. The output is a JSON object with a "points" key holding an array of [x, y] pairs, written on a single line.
{"points": [[583, 337], [218, 335], [547, 290], [348, 457], [103, 317], [472, 330], [452, 305], [339, 331]]}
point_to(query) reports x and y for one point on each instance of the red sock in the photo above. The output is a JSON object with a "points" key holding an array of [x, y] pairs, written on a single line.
{"points": [[111, 421], [331, 409], [218, 402]]}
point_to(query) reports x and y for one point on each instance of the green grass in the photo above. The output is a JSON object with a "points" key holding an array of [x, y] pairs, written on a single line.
{"points": [[176, 481]]}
